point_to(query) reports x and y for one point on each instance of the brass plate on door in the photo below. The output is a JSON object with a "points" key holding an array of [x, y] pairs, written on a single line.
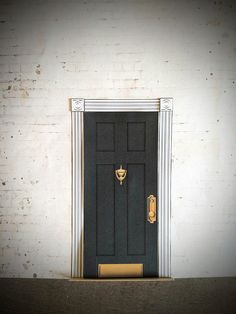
{"points": [[151, 209], [120, 270]]}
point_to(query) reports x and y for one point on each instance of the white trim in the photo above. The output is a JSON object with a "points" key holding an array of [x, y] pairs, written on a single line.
{"points": [[77, 194], [162, 105], [166, 104], [77, 104], [164, 185], [113, 105]]}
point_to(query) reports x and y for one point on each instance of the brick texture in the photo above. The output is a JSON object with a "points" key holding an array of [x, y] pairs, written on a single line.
{"points": [[51, 51]]}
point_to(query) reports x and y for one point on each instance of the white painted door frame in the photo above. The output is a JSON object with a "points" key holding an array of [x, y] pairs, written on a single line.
{"points": [[164, 107]]}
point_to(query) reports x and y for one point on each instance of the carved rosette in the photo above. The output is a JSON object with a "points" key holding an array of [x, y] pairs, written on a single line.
{"points": [[166, 104], [77, 104]]}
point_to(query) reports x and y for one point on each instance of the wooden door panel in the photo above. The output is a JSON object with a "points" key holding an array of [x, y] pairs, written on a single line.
{"points": [[105, 137], [116, 228], [136, 136], [105, 210], [136, 209]]}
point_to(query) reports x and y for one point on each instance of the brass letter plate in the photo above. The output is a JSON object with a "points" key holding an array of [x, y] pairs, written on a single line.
{"points": [[120, 270]]}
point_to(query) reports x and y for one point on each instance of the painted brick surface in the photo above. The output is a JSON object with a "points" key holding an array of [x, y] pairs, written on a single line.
{"points": [[51, 51]]}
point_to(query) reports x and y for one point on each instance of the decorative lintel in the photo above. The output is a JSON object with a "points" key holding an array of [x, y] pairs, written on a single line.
{"points": [[161, 104], [77, 104], [166, 104]]}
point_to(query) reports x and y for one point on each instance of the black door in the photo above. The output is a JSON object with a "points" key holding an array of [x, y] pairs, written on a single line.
{"points": [[116, 227]]}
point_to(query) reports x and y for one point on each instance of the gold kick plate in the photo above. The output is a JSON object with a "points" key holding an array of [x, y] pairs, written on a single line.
{"points": [[120, 270], [121, 174], [151, 209]]}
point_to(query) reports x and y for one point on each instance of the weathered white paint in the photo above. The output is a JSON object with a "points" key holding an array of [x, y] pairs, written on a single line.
{"points": [[55, 50]]}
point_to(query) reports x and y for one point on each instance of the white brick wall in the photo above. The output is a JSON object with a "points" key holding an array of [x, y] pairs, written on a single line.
{"points": [[54, 50]]}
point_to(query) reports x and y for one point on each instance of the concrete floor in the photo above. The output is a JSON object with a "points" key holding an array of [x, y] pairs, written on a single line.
{"points": [[212, 295]]}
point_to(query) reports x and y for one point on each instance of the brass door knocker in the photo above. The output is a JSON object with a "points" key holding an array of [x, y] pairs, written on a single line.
{"points": [[121, 174]]}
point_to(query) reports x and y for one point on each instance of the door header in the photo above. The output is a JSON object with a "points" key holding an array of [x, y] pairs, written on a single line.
{"points": [[124, 105]]}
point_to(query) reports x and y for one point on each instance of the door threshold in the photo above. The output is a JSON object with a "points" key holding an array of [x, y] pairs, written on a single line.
{"points": [[152, 279]]}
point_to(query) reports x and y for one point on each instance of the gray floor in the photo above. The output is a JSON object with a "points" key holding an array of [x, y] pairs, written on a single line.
{"points": [[214, 295]]}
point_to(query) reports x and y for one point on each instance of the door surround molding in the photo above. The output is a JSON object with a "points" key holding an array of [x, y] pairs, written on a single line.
{"points": [[164, 107]]}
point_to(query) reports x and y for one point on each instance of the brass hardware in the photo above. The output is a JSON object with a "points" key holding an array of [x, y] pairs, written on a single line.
{"points": [[121, 174], [151, 209], [120, 270]]}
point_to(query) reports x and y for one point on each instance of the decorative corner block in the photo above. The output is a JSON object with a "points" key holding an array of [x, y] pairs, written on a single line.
{"points": [[166, 104], [77, 104]]}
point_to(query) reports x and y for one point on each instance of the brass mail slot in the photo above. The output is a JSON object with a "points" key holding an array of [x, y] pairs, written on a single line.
{"points": [[120, 270]]}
